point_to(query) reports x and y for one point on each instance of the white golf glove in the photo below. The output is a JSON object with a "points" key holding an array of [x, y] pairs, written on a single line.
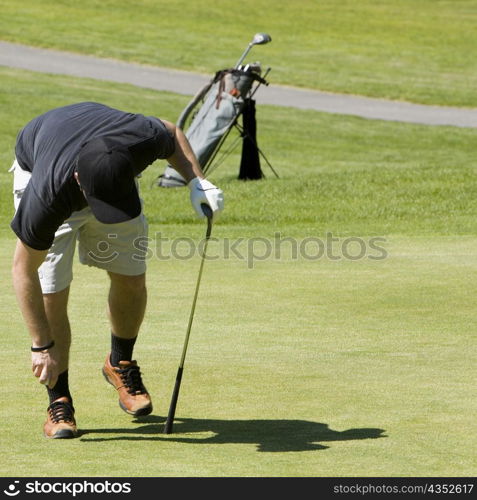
{"points": [[204, 192]]}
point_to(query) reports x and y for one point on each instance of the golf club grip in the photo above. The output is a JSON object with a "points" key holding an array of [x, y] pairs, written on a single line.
{"points": [[210, 215], [207, 210], [172, 408]]}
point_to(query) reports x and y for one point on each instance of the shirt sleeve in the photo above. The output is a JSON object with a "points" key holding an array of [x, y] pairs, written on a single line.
{"points": [[157, 146], [35, 223], [165, 144]]}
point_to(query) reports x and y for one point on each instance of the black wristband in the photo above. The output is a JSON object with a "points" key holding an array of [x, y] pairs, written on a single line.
{"points": [[43, 348]]}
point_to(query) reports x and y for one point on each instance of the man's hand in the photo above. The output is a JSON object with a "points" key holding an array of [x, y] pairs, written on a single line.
{"points": [[203, 191], [45, 367]]}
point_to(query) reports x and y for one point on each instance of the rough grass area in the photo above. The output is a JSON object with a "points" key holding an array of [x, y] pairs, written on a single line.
{"points": [[406, 50], [343, 174]]}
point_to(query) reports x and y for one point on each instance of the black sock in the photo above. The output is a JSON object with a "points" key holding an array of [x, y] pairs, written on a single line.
{"points": [[61, 388], [121, 349]]}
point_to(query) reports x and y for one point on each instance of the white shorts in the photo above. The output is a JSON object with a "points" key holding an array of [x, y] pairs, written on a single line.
{"points": [[118, 248]]}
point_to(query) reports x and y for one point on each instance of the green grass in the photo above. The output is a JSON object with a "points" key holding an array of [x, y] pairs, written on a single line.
{"points": [[296, 366], [345, 174], [417, 51]]}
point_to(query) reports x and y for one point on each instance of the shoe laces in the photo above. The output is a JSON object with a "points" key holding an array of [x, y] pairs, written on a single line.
{"points": [[131, 378], [61, 411]]}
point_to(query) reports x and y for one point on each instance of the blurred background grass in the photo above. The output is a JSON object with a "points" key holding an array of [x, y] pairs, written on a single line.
{"points": [[341, 173], [409, 50]]}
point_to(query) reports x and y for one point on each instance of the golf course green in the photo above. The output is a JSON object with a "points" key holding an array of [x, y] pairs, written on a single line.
{"points": [[334, 334]]}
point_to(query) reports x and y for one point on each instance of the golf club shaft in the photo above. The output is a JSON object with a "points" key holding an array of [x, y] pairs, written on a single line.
{"points": [[172, 407], [191, 316], [242, 57], [175, 393], [258, 39]]}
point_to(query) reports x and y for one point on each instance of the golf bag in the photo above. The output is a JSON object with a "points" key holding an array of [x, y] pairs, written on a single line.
{"points": [[223, 100]]}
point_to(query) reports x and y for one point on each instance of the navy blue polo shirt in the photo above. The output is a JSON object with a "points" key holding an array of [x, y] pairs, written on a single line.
{"points": [[48, 147]]}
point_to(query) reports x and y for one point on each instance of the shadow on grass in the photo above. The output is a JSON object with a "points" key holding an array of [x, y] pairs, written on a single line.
{"points": [[268, 435]]}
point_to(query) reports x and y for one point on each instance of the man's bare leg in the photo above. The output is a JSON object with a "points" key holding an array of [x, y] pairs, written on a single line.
{"points": [[126, 306]]}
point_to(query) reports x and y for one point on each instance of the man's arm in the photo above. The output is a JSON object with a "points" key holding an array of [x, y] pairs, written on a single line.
{"points": [[183, 159], [186, 163], [26, 283]]}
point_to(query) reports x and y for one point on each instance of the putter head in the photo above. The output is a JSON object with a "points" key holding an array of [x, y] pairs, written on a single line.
{"points": [[261, 38]]}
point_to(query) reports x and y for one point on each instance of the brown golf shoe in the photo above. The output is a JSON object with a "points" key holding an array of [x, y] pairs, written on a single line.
{"points": [[60, 423], [126, 379]]}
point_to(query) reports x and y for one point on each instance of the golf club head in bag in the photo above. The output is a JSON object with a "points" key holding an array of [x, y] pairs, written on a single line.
{"points": [[258, 39]]}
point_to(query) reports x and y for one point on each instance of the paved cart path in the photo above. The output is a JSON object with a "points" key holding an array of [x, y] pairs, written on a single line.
{"points": [[183, 82]]}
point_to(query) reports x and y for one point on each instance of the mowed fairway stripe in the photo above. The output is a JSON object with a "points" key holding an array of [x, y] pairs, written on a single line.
{"points": [[295, 368]]}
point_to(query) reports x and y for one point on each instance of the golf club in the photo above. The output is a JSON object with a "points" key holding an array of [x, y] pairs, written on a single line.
{"points": [[175, 394], [258, 39]]}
